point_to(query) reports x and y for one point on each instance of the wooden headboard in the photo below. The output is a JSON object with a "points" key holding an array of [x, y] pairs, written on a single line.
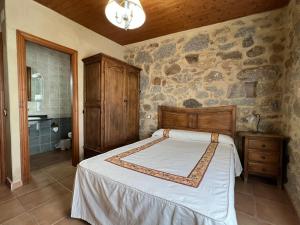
{"points": [[212, 119]]}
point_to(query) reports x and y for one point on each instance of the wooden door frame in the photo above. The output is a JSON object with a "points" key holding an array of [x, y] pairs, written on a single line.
{"points": [[2, 116], [22, 37]]}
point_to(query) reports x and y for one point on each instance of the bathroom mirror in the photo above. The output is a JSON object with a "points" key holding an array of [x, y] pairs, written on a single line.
{"points": [[35, 86]]}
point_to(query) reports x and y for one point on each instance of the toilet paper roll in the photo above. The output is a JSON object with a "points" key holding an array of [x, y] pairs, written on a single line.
{"points": [[55, 129]]}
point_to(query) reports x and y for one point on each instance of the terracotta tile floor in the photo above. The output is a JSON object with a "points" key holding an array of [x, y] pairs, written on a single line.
{"points": [[259, 203], [47, 199], [45, 159]]}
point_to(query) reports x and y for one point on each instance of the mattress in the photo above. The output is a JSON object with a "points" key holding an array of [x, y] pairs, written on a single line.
{"points": [[174, 177]]}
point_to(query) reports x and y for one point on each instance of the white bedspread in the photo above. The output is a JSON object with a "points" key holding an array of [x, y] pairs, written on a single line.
{"points": [[107, 194]]}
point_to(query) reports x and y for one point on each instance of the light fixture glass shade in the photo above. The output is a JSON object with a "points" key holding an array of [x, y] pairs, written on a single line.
{"points": [[126, 14]]}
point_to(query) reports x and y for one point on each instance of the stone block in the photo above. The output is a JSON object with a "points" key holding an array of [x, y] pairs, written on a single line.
{"points": [[213, 76], [173, 69], [192, 103], [256, 51], [227, 46], [248, 42], [143, 57], [197, 43], [192, 58], [268, 72], [254, 62], [165, 51], [245, 31], [230, 55]]}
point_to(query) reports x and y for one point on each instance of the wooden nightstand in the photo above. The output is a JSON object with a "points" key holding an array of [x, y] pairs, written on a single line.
{"points": [[263, 155]]}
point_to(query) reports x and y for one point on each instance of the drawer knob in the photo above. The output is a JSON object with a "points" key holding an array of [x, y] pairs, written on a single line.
{"points": [[263, 145], [263, 157]]}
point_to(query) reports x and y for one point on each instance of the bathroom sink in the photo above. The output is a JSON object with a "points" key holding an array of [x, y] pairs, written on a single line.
{"points": [[34, 118], [37, 117]]}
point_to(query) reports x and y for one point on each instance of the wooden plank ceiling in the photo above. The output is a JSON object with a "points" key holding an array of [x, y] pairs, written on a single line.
{"points": [[162, 16]]}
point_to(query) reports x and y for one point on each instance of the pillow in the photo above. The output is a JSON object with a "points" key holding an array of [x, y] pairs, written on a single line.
{"points": [[192, 135]]}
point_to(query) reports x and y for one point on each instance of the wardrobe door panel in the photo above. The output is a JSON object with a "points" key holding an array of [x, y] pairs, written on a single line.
{"points": [[92, 83], [92, 128], [92, 107], [132, 106], [114, 82]]}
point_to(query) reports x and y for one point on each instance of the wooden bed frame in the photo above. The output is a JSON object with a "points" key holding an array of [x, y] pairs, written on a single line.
{"points": [[212, 119]]}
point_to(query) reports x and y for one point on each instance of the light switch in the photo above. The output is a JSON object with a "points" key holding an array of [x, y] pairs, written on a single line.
{"points": [[148, 116]]}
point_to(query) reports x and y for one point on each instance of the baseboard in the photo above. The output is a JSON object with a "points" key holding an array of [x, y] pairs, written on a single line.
{"points": [[13, 185]]}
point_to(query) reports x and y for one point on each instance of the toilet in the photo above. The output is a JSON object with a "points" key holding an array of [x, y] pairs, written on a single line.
{"points": [[65, 144]]}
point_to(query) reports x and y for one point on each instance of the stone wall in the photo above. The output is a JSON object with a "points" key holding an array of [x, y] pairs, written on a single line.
{"points": [[291, 103], [237, 62], [252, 62]]}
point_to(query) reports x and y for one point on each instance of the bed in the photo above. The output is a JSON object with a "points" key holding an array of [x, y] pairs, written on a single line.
{"points": [[183, 174]]}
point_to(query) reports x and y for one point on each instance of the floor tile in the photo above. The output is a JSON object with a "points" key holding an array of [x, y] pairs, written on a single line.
{"points": [[61, 170], [5, 193], [23, 219], [275, 212], [245, 188], [38, 180], [271, 192], [45, 159], [10, 209], [54, 210], [39, 196], [70, 221], [244, 219], [68, 182], [245, 203]]}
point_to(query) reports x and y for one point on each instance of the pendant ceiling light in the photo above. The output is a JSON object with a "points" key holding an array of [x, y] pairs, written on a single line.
{"points": [[126, 14]]}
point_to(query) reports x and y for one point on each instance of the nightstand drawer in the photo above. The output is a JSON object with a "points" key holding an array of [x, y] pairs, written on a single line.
{"points": [[263, 156], [267, 144], [265, 169]]}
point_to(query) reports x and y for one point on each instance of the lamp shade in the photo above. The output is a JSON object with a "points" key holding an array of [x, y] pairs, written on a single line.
{"points": [[126, 14]]}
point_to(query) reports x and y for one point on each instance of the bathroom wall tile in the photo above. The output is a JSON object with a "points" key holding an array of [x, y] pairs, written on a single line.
{"points": [[34, 141], [53, 144], [46, 147], [45, 131], [45, 139], [45, 123], [54, 94], [33, 132], [55, 136], [35, 149]]}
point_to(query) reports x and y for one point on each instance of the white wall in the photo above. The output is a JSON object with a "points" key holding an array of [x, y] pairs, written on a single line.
{"points": [[33, 18]]}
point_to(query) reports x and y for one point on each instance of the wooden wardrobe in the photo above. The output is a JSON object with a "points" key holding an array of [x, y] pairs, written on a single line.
{"points": [[111, 104]]}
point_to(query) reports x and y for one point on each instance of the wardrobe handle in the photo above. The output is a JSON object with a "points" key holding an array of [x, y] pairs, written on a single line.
{"points": [[5, 112], [125, 100]]}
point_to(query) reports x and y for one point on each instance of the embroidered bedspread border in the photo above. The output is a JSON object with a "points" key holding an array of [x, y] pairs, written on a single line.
{"points": [[194, 178]]}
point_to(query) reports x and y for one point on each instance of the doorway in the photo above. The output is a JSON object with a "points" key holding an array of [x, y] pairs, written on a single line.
{"points": [[32, 92]]}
